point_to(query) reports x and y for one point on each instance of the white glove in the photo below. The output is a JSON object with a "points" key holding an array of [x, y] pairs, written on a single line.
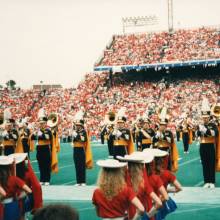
{"points": [[14, 136], [47, 136], [74, 134], [118, 134], [82, 138], [158, 134], [39, 133], [5, 134], [126, 136], [203, 129]]}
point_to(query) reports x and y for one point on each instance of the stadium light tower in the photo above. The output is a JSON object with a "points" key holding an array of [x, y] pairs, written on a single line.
{"points": [[170, 15], [138, 21]]}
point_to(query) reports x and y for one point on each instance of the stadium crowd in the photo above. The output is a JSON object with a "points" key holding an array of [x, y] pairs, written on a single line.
{"points": [[145, 48], [95, 97]]}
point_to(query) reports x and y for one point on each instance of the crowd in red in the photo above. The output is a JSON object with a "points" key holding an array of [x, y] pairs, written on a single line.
{"points": [[181, 45], [96, 99]]}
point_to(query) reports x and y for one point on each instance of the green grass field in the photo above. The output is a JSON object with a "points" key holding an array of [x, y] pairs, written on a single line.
{"points": [[189, 174]]}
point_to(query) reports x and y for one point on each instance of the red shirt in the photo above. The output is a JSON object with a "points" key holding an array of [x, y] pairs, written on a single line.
{"points": [[14, 186], [143, 195], [115, 207], [32, 181], [156, 183], [167, 177]]}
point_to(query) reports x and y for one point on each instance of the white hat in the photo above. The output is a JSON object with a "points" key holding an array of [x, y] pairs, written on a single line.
{"points": [[18, 157], [4, 160], [110, 163], [147, 158], [156, 152], [136, 158]]}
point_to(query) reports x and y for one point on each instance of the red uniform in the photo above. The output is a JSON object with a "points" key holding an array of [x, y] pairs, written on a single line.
{"points": [[116, 207], [14, 186], [156, 183], [143, 195], [32, 181], [167, 177]]}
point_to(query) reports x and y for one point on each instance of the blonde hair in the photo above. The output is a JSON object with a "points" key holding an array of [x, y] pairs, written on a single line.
{"points": [[111, 181], [136, 175]]}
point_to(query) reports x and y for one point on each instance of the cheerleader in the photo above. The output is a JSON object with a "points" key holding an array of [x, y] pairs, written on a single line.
{"points": [[113, 197], [13, 187], [157, 178], [25, 172], [166, 176], [136, 179]]}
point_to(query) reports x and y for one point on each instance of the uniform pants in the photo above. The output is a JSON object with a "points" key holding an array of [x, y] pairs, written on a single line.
{"points": [[177, 135], [80, 164], [44, 162], [186, 141], [119, 151], [207, 153], [9, 150], [110, 147], [26, 146]]}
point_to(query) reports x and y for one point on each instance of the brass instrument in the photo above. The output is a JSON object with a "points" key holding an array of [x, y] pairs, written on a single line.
{"points": [[110, 118], [52, 120], [215, 110]]}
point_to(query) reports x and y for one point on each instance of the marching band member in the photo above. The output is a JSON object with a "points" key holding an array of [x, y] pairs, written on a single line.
{"points": [[52, 123], [215, 110], [144, 135], [10, 134], [13, 186], [44, 144], [123, 141], [82, 154], [186, 130], [113, 197], [25, 141], [207, 134], [107, 130], [164, 140]]}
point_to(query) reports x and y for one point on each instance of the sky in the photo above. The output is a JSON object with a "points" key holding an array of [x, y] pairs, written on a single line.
{"points": [[58, 41]]}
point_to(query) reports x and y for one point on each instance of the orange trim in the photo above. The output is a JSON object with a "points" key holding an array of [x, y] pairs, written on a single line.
{"points": [[44, 142], [146, 141], [120, 143], [8, 143], [79, 144], [207, 140], [163, 144]]}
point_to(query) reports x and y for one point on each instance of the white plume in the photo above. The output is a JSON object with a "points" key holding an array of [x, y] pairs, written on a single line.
{"points": [[79, 115], [41, 113], [121, 112], [7, 114]]}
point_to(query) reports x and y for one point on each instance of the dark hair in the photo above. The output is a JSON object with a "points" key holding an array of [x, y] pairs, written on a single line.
{"points": [[5, 172], [149, 169], [158, 165], [56, 212], [21, 170]]}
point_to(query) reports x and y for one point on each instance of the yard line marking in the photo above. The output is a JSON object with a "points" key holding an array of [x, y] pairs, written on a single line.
{"points": [[199, 184], [73, 181], [189, 161], [88, 208]]}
